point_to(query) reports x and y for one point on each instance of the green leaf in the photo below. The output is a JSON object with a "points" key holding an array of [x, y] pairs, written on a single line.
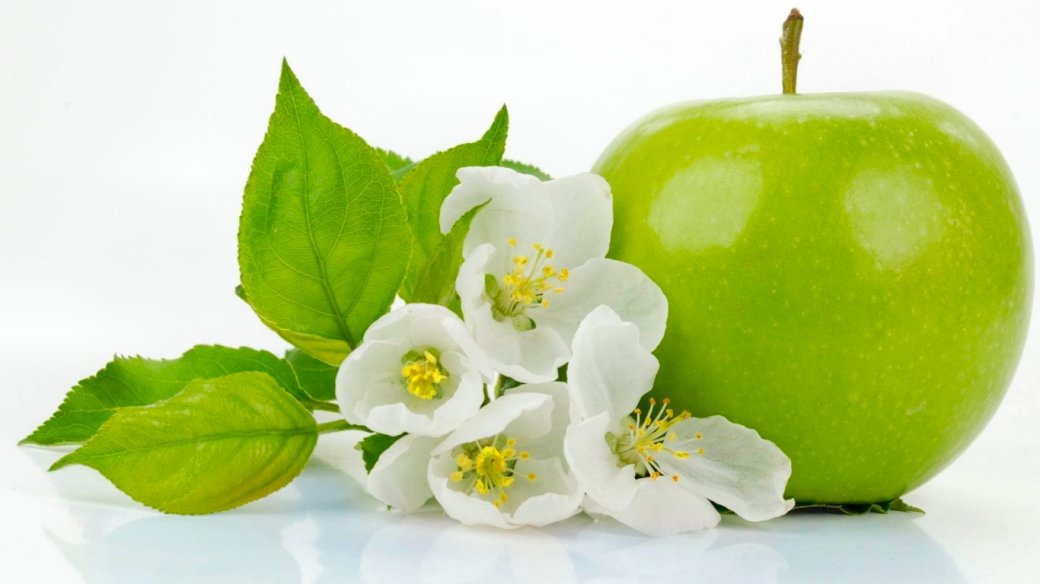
{"points": [[135, 381], [882, 507], [323, 241], [218, 444], [372, 447], [526, 169], [317, 378], [436, 281], [398, 165], [423, 190]]}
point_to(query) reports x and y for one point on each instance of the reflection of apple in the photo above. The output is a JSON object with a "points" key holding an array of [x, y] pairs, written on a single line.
{"points": [[849, 274]]}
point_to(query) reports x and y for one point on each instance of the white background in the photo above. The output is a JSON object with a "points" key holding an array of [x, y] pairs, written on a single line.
{"points": [[126, 134]]}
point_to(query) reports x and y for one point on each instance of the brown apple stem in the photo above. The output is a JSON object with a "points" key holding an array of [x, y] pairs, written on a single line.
{"points": [[789, 54]]}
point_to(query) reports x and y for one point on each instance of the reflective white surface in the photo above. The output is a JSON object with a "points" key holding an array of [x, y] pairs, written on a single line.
{"points": [[72, 526], [126, 134]]}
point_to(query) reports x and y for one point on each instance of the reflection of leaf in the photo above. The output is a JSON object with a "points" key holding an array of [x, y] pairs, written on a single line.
{"points": [[372, 447], [218, 444], [862, 508], [317, 378], [424, 188], [135, 381], [323, 241]]}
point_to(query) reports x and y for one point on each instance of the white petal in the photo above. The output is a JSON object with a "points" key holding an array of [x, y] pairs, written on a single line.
{"points": [[572, 215], [370, 364], [595, 466], [528, 356], [479, 185], [398, 324], [580, 216], [559, 419], [553, 496], [460, 506], [623, 287], [738, 469], [493, 418], [399, 476], [660, 508], [609, 370]]}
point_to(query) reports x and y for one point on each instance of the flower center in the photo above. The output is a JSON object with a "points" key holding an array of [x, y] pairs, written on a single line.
{"points": [[488, 467], [423, 375], [526, 286], [647, 438]]}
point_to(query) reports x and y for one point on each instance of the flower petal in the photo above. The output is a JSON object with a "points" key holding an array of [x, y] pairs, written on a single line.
{"points": [[571, 215], [494, 417], [460, 506], [660, 508], [594, 465], [398, 477], [479, 185], [623, 287], [609, 370], [529, 356], [738, 468], [552, 496], [550, 443]]}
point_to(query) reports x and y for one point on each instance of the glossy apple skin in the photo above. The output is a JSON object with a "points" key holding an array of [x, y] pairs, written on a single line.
{"points": [[848, 274]]}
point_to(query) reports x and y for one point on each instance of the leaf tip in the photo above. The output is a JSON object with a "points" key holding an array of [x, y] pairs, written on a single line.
{"points": [[62, 462]]}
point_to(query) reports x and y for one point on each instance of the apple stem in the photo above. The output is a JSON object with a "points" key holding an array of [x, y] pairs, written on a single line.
{"points": [[789, 54]]}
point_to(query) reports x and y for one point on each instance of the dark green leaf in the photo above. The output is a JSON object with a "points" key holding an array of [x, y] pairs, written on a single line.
{"points": [[860, 508], [218, 444], [423, 190], [372, 447], [323, 241], [526, 169], [135, 381], [317, 378]]}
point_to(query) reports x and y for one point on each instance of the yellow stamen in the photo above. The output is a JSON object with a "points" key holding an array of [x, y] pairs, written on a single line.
{"points": [[423, 376], [526, 285], [649, 440]]}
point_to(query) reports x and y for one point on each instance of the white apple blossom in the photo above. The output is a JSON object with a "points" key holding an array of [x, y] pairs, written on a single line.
{"points": [[411, 374], [534, 267], [504, 467], [656, 470]]}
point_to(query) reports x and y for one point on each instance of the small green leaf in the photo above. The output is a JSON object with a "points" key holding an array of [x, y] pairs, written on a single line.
{"points": [[882, 507], [135, 381], [317, 378], [372, 447], [526, 169], [423, 190], [398, 165], [323, 241], [218, 444], [436, 281]]}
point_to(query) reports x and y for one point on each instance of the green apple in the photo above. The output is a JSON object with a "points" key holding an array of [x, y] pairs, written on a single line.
{"points": [[848, 274]]}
